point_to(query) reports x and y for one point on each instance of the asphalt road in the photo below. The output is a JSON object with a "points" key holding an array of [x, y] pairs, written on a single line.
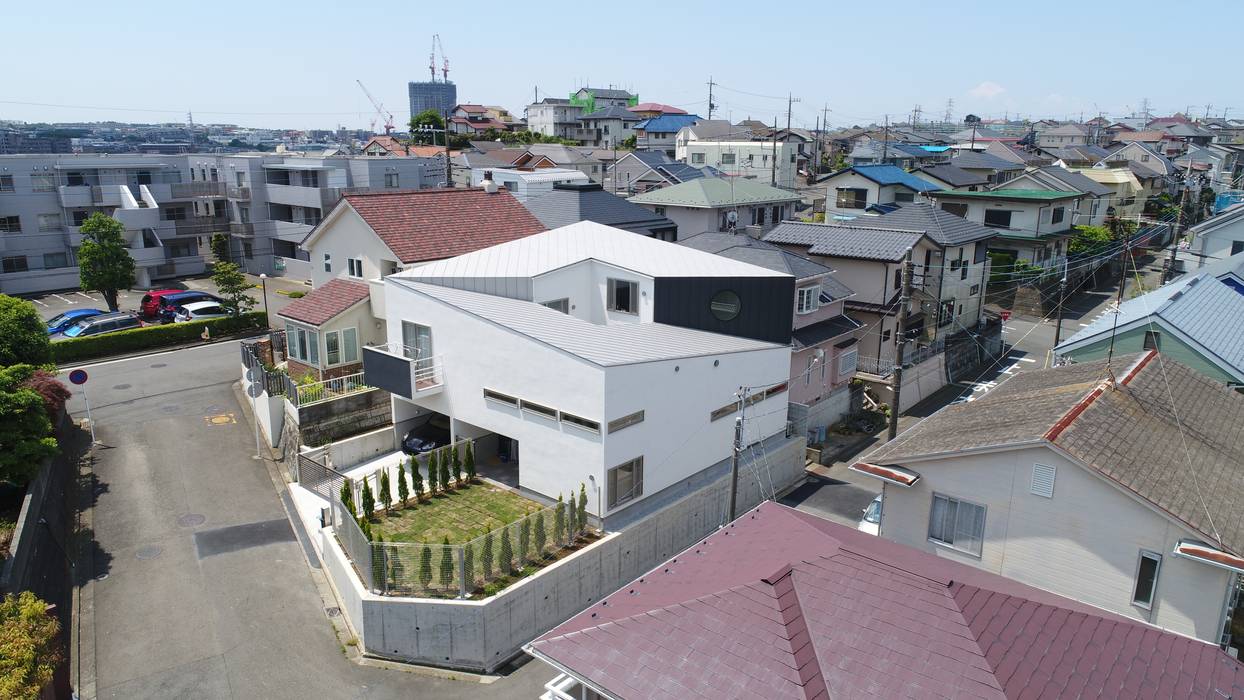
{"points": [[200, 587]]}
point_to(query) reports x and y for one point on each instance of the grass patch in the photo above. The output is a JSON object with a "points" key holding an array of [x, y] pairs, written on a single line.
{"points": [[461, 515]]}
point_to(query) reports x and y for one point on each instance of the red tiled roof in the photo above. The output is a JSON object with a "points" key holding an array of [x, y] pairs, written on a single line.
{"points": [[397, 148], [656, 107], [422, 225], [480, 124], [326, 301], [781, 604], [472, 109]]}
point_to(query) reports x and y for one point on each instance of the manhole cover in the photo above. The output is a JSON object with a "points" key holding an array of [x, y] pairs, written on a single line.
{"points": [[191, 520], [158, 365], [151, 551], [122, 386], [332, 612]]}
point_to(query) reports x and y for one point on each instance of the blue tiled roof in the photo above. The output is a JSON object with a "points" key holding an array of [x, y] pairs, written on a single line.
{"points": [[668, 123], [894, 175]]}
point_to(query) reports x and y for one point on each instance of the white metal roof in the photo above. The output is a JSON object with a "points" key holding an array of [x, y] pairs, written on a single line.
{"points": [[586, 240], [600, 344], [541, 174]]}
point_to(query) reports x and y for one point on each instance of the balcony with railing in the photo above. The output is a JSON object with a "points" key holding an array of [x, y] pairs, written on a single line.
{"points": [[877, 366], [239, 193], [76, 196], [399, 370], [200, 225], [191, 190]]}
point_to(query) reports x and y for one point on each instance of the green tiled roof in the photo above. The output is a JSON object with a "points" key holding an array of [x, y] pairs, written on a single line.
{"points": [[1035, 195], [714, 192]]}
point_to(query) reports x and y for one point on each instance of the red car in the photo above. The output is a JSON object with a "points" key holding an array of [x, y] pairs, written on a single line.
{"points": [[149, 307]]}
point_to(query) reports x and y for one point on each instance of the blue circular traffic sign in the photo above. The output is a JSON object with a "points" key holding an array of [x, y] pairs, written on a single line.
{"points": [[78, 376]]}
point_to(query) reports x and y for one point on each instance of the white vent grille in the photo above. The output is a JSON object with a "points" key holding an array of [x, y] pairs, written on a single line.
{"points": [[1043, 480]]}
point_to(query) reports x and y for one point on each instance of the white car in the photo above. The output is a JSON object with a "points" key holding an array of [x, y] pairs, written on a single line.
{"points": [[199, 310], [871, 522]]}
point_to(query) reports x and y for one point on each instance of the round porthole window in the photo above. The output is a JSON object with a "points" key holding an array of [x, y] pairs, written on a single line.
{"points": [[725, 305]]}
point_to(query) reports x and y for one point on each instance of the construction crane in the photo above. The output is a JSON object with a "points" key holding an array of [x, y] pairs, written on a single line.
{"points": [[381, 112], [436, 44]]}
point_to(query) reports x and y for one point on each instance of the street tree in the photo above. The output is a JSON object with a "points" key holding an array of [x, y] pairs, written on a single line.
{"points": [[23, 334], [232, 286], [421, 125], [104, 261]]}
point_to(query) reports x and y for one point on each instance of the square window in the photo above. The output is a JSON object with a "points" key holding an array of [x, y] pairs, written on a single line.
{"points": [[697, 159], [13, 263], [43, 182], [51, 261], [957, 524], [848, 361], [626, 482], [727, 159], [623, 296]]}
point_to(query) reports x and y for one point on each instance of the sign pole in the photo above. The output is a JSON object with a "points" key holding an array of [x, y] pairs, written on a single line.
{"points": [[78, 377]]}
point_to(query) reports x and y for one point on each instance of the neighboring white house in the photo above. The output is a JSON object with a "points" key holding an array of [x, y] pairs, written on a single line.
{"points": [[720, 204], [1091, 210], [588, 354], [1065, 135], [1080, 480], [747, 159], [851, 190], [1032, 225], [1219, 236], [527, 184]]}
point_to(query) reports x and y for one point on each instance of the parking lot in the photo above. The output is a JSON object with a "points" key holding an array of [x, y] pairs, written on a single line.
{"points": [[50, 304]]}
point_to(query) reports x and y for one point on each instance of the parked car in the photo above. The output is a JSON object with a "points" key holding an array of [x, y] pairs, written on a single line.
{"points": [[149, 307], [170, 302], [198, 310], [60, 322], [429, 435], [871, 522], [103, 323]]}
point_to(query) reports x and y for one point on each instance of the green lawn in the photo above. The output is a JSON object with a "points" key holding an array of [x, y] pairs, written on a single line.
{"points": [[460, 515]]}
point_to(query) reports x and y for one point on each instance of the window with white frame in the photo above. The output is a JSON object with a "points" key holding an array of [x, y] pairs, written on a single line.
{"points": [[328, 262], [350, 345], [355, 267], [390, 179], [727, 159], [808, 300], [697, 159], [332, 348], [957, 524], [848, 361], [623, 296], [302, 344], [626, 482], [1147, 568]]}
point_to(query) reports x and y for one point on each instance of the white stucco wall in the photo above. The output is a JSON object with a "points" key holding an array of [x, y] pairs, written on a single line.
{"points": [[348, 236]]}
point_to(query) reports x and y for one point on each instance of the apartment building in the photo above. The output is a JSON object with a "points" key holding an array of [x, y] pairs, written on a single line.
{"points": [[760, 160], [171, 205]]}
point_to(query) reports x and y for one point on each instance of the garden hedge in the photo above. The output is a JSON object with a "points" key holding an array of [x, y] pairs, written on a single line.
{"points": [[150, 337]]}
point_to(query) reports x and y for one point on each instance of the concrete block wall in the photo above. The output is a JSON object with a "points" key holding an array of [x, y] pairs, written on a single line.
{"points": [[482, 635], [347, 416]]}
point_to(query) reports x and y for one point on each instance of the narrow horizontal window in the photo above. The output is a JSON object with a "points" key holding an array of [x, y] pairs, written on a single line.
{"points": [[499, 397], [626, 421], [580, 422], [724, 411], [538, 408]]}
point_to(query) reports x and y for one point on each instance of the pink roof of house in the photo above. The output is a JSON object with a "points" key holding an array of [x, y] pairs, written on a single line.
{"points": [[326, 301], [421, 225], [656, 107], [782, 604], [472, 109]]}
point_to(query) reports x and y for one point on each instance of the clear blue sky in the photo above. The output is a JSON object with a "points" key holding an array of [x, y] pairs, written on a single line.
{"points": [[294, 64]]}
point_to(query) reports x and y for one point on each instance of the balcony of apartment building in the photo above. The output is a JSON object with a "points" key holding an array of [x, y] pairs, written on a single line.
{"points": [[299, 186], [292, 222], [196, 190], [408, 371]]}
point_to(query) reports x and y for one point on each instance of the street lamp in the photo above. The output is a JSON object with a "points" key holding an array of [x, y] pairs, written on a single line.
{"points": [[263, 282]]}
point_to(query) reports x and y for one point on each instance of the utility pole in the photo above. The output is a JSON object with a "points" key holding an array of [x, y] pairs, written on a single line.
{"points": [[1208, 107], [901, 334], [790, 101], [711, 106], [885, 140], [449, 166], [816, 152], [1168, 270], [773, 171], [1062, 296], [734, 460]]}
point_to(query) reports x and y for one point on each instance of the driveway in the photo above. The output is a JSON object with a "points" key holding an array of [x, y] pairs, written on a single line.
{"points": [[201, 589]]}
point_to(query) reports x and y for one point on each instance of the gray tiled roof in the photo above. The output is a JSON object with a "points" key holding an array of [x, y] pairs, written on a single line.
{"points": [[1071, 180], [600, 344], [1129, 434], [952, 175], [983, 161], [944, 228], [613, 112], [821, 331], [567, 204], [750, 250], [849, 241]]}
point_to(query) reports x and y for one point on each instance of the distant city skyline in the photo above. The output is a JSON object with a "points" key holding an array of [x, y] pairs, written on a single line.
{"points": [[296, 67]]}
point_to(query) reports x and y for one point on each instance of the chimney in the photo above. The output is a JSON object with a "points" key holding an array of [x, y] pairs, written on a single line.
{"points": [[489, 186]]}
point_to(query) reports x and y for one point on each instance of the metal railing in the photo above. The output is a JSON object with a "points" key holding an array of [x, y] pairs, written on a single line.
{"points": [[235, 192], [329, 389], [183, 190], [875, 365], [320, 478]]}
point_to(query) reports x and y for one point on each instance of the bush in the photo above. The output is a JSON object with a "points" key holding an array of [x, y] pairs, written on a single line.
{"points": [[29, 651], [54, 393], [151, 337], [25, 429], [23, 334], [296, 295]]}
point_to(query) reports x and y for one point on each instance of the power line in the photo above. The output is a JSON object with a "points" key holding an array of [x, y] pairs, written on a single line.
{"points": [[178, 111]]}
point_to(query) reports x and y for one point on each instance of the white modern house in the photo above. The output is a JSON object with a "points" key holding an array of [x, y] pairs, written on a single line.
{"points": [[589, 354], [526, 184], [1081, 480], [1219, 236]]}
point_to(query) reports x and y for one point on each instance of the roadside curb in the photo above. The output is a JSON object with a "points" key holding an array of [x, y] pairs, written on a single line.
{"points": [[157, 351]]}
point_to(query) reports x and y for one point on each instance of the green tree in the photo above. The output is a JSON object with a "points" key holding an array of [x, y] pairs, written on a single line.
{"points": [[447, 564], [425, 566], [347, 499], [421, 122], [104, 262], [470, 463], [369, 501], [29, 649], [628, 143], [365, 526], [457, 462], [541, 536], [524, 542], [505, 559], [433, 473], [468, 565], [25, 429], [485, 556], [581, 519], [23, 334], [403, 492], [386, 493], [220, 246], [1089, 240], [416, 478], [559, 522], [444, 475], [232, 286], [571, 527]]}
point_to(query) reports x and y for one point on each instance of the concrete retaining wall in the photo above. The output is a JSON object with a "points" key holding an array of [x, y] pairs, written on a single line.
{"points": [[321, 423], [482, 635], [343, 454]]}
